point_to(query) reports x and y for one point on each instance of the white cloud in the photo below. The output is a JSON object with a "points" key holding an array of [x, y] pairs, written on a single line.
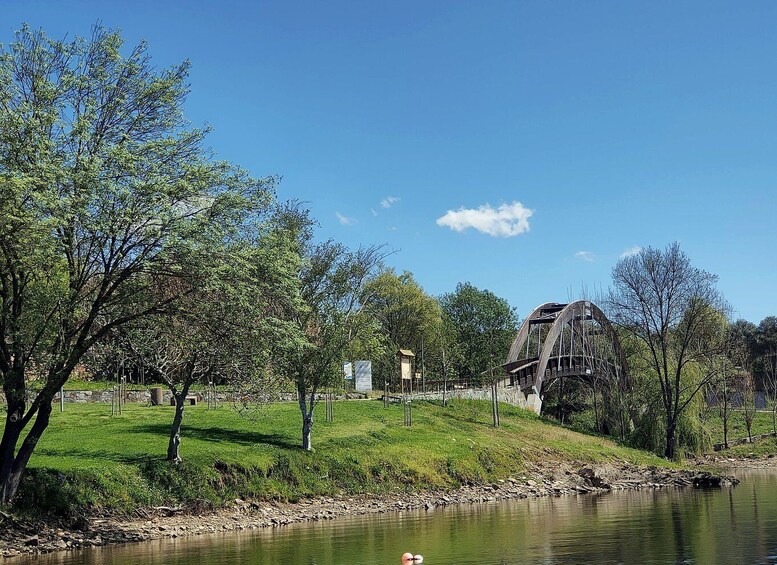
{"points": [[633, 250], [345, 220], [389, 201], [585, 256], [374, 213], [506, 221]]}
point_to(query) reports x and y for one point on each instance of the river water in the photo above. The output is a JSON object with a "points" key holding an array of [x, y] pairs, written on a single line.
{"points": [[728, 526]]}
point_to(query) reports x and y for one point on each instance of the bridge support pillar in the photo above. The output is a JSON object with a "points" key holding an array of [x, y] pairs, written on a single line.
{"points": [[533, 401]]}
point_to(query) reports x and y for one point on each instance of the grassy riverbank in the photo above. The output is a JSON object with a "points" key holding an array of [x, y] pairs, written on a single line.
{"points": [[762, 424], [90, 461]]}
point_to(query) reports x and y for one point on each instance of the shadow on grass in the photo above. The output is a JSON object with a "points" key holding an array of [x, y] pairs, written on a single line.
{"points": [[209, 434], [469, 416], [215, 434], [129, 458]]}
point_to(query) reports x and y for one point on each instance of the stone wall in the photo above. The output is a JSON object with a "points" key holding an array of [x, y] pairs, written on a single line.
{"points": [[144, 396], [103, 395], [510, 395]]}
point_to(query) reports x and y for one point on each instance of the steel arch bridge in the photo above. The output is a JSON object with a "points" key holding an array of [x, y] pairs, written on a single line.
{"points": [[558, 341]]}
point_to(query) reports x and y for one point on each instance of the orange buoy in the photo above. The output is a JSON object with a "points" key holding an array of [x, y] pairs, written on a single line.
{"points": [[406, 557]]}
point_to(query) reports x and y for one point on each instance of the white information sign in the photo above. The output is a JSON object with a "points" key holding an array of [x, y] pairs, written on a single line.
{"points": [[407, 372], [363, 376]]}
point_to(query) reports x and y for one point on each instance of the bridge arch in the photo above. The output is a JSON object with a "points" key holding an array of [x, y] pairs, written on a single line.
{"points": [[558, 341]]}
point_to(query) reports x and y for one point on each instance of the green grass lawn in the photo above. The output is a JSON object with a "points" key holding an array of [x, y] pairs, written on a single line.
{"points": [[762, 424], [89, 459]]}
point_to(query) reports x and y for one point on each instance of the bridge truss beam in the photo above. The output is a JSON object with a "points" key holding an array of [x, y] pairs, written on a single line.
{"points": [[558, 341]]}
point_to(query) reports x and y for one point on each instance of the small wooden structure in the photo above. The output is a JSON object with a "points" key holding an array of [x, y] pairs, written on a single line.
{"points": [[406, 357], [406, 374]]}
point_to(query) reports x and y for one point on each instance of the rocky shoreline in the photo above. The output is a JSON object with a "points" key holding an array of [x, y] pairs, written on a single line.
{"points": [[19, 537]]}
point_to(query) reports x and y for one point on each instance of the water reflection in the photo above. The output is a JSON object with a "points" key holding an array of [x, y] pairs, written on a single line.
{"points": [[725, 526]]}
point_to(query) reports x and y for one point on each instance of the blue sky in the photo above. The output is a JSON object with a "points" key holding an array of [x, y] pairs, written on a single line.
{"points": [[613, 124]]}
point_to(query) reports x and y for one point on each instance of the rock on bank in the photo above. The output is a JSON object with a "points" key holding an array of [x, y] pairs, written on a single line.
{"points": [[19, 536]]}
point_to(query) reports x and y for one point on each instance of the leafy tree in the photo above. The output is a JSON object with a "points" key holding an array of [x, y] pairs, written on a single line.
{"points": [[766, 335], [408, 319], [744, 336], [102, 183], [675, 310], [332, 282], [484, 325], [231, 323], [648, 432], [763, 350]]}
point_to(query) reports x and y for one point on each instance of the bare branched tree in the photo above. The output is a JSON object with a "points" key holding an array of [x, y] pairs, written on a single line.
{"points": [[745, 385], [676, 311]]}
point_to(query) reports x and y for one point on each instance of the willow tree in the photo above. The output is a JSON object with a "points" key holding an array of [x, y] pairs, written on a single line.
{"points": [[676, 312], [102, 181]]}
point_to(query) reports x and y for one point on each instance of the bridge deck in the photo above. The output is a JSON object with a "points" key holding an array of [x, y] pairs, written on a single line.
{"points": [[522, 372]]}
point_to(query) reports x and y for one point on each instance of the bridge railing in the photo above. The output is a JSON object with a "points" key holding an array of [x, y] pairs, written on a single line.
{"points": [[438, 385]]}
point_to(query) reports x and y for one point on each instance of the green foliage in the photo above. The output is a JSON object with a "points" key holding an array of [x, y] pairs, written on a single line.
{"points": [[408, 318], [693, 435], [483, 325], [234, 315], [332, 286], [106, 194], [766, 335], [67, 493], [676, 315], [583, 421]]}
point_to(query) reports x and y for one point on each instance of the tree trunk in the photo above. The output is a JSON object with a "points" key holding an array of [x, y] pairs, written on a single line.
{"points": [[725, 428], [494, 404], [307, 416], [173, 448], [307, 428], [12, 467], [13, 462], [671, 430], [444, 380], [11, 433], [15, 409]]}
